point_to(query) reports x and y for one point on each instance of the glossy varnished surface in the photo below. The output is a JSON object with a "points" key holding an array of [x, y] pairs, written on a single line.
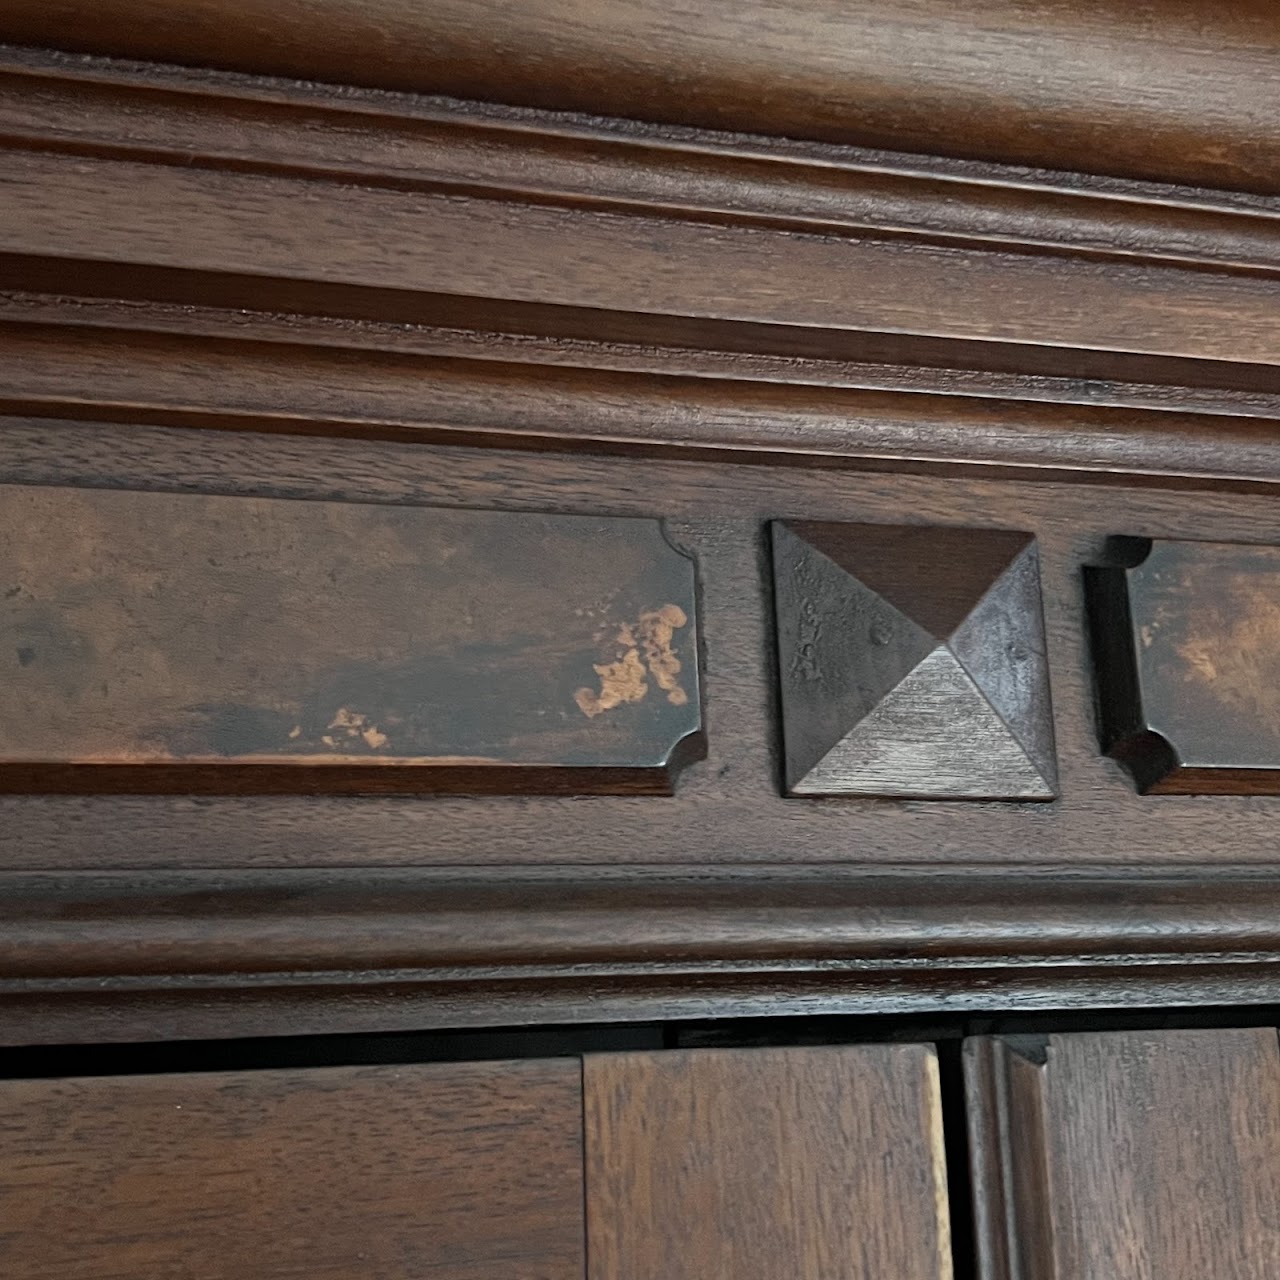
{"points": [[1187, 641], [1176, 90], [764, 1163], [464, 1172], [180, 642]]}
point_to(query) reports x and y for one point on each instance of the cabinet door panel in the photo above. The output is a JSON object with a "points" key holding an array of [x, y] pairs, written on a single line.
{"points": [[1127, 1156], [457, 1172], [822, 1163]]}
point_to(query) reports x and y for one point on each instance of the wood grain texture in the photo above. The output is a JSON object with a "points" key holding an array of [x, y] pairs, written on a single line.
{"points": [[410, 141], [116, 309], [152, 955], [911, 662], [269, 225], [1180, 91], [718, 512], [208, 249], [186, 642], [1187, 640], [462, 1171], [1013, 1205], [823, 1162], [1157, 1153], [921, 425], [361, 297]]}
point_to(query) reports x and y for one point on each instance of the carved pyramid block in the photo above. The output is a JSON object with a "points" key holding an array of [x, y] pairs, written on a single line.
{"points": [[912, 662]]}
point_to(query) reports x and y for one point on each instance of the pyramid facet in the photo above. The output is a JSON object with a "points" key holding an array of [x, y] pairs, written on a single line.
{"points": [[1006, 658], [934, 576], [932, 735], [872, 703], [843, 648]]}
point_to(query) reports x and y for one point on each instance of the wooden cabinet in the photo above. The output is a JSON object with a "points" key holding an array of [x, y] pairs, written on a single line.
{"points": [[1092, 1156], [519, 520], [463, 564]]}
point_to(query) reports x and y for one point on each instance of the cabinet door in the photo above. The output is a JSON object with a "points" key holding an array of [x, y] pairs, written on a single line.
{"points": [[457, 1172], [815, 1163], [1134, 1156]]}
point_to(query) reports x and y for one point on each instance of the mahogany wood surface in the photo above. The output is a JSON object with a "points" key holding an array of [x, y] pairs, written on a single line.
{"points": [[462, 1171], [761, 1163], [1118, 1156], [1180, 90]]}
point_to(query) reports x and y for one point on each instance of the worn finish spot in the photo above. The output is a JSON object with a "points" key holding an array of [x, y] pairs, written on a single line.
{"points": [[1232, 639], [657, 632], [1187, 643], [624, 680], [621, 681], [317, 637]]}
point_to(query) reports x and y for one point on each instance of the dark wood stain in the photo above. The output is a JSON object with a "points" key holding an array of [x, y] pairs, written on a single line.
{"points": [[156, 638], [1187, 640], [202, 249], [348, 296], [462, 1172], [720, 513], [912, 662]]}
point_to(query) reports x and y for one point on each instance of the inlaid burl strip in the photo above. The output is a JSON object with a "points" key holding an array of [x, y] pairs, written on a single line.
{"points": [[163, 642]]}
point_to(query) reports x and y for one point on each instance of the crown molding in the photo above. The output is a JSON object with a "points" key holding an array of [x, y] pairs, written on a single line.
{"points": [[1179, 92], [406, 142], [222, 249]]}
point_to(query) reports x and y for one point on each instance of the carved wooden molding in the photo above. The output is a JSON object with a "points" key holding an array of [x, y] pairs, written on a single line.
{"points": [[188, 643], [912, 662], [1186, 636], [952, 352], [163, 955], [1183, 98]]}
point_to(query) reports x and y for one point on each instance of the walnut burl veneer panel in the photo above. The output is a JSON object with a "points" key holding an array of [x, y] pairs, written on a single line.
{"points": [[1186, 637], [169, 642], [467, 1171], [759, 1164], [1127, 1155], [912, 662]]}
